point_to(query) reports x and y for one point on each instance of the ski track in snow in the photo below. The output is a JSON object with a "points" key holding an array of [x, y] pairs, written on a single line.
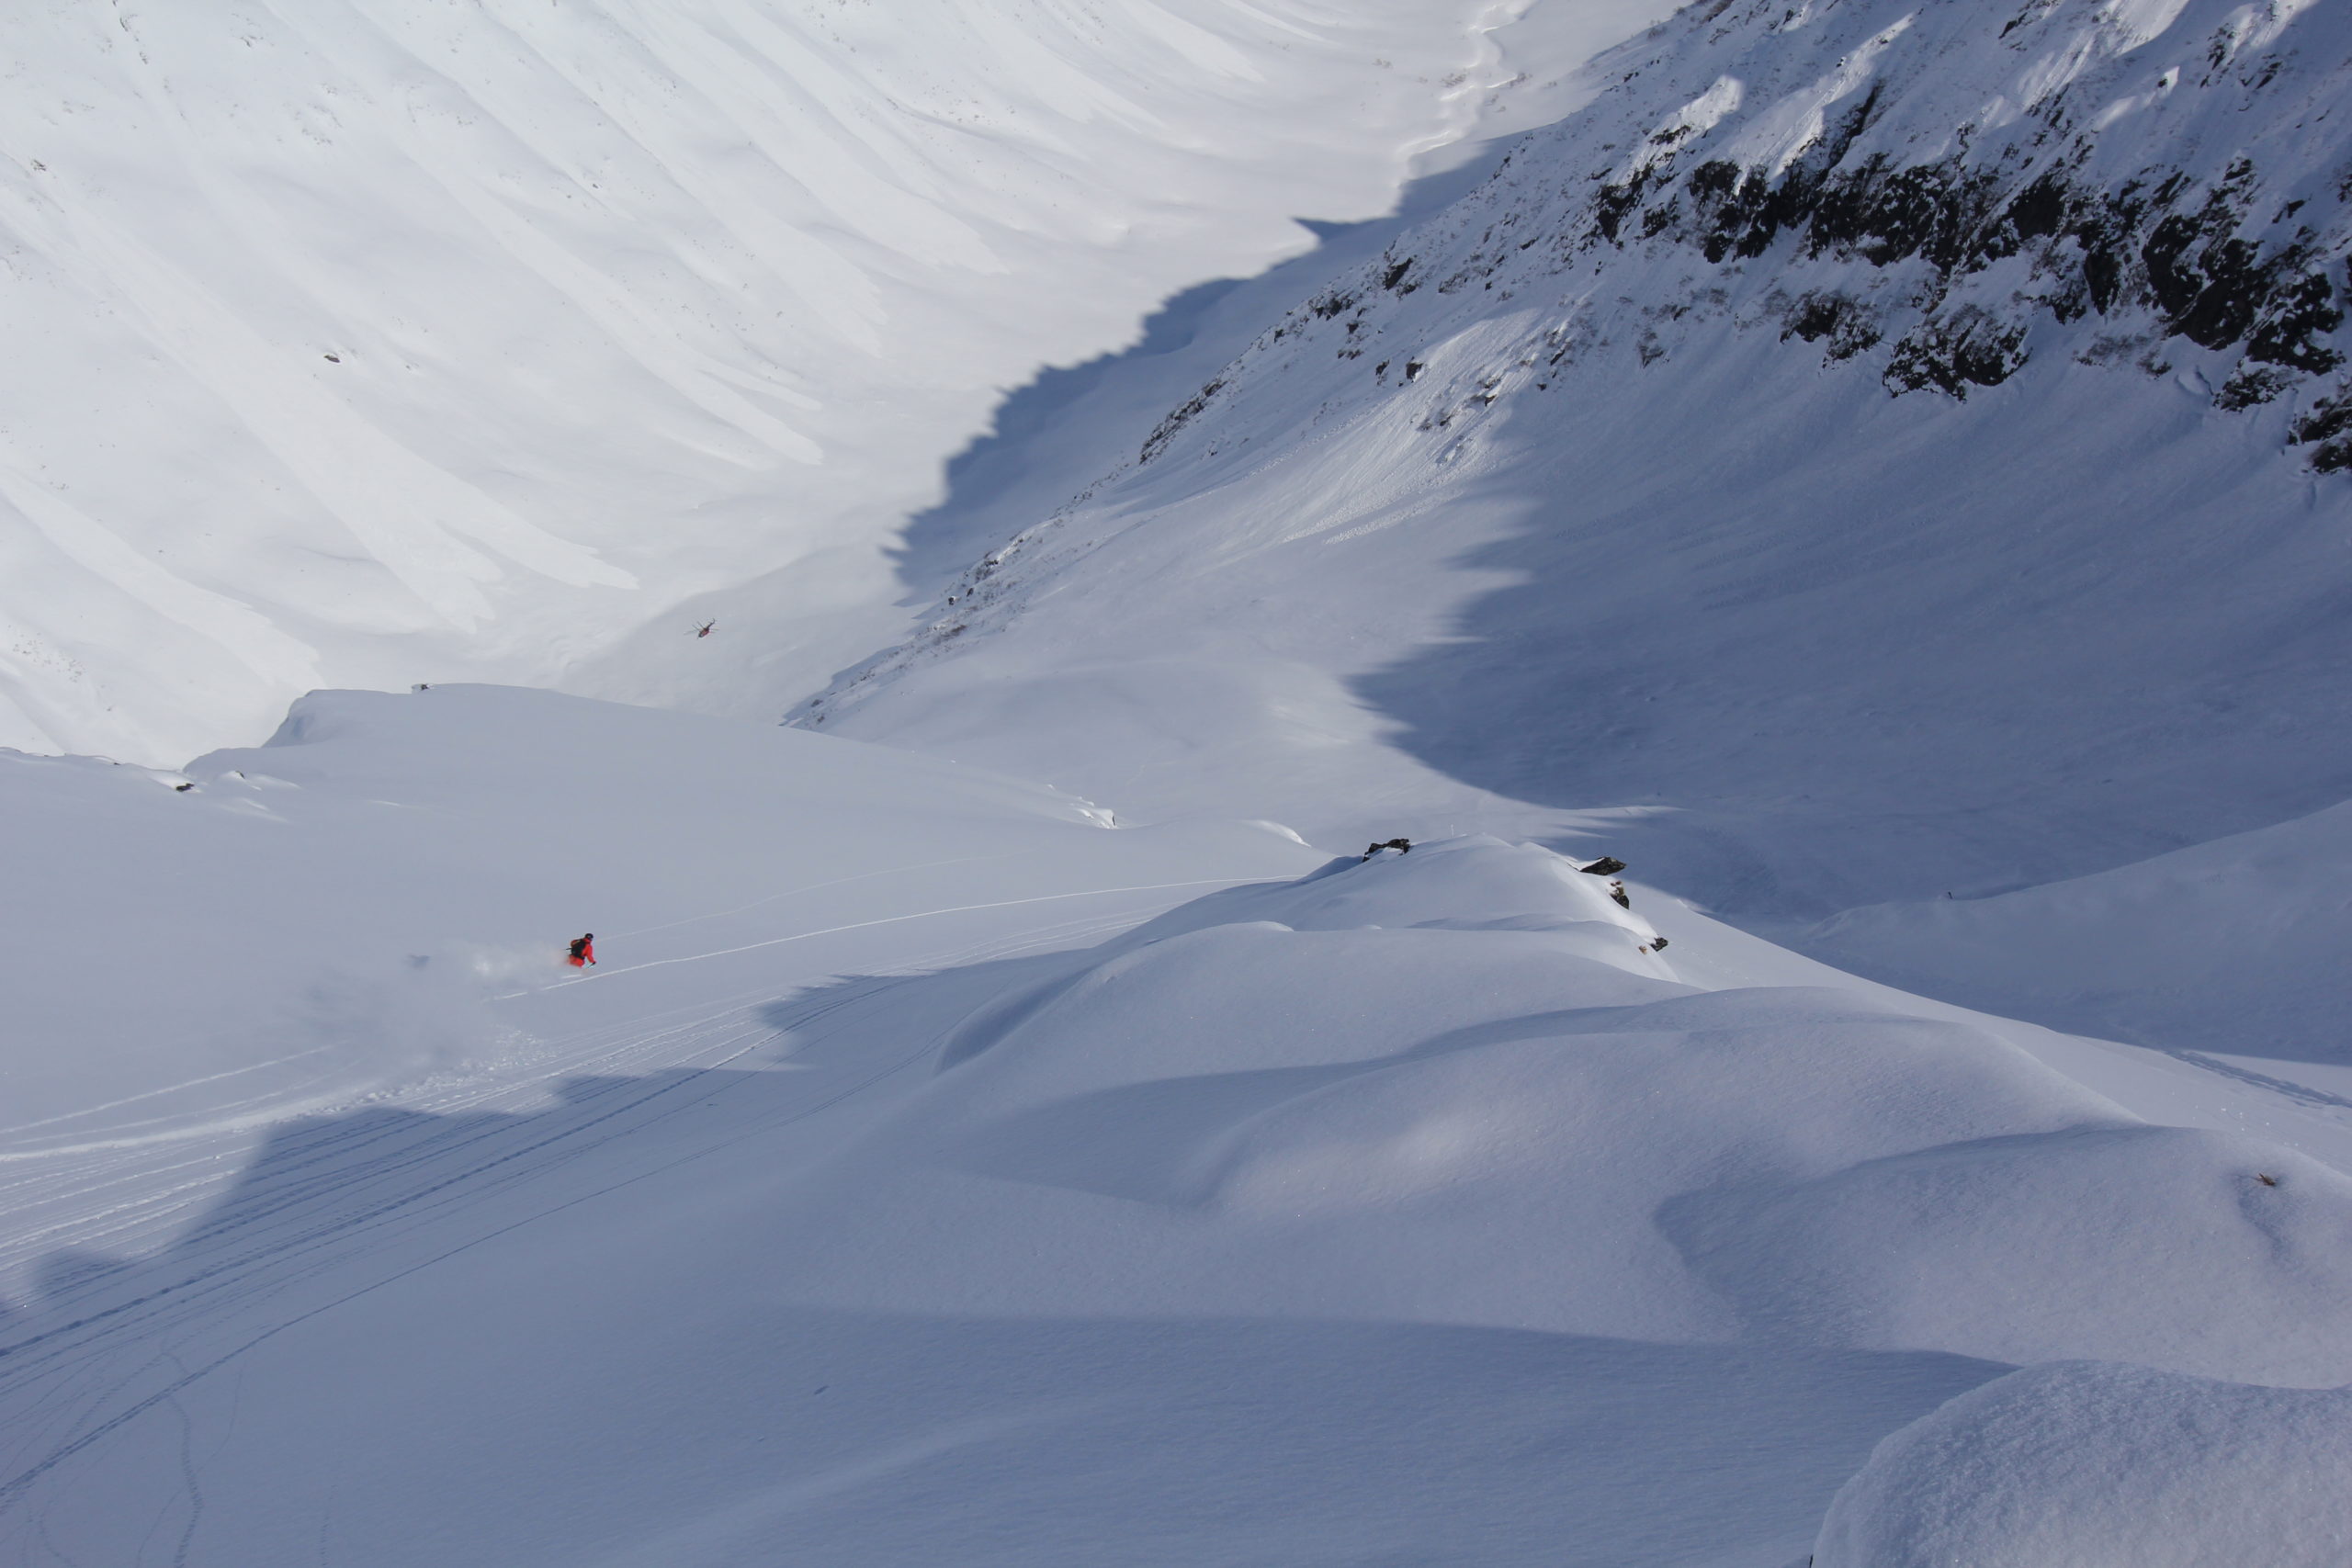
{"points": [[169, 1303], [1425, 1208], [339, 1187], [863, 925], [79, 1176]]}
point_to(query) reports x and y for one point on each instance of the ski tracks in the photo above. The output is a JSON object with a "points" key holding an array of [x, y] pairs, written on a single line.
{"points": [[344, 1203]]}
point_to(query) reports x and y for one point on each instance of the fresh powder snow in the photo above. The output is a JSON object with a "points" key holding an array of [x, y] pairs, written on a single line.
{"points": [[378, 342], [1239, 509]]}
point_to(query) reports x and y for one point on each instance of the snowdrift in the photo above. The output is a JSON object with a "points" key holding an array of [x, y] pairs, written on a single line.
{"points": [[1353, 1090], [1417, 1205], [2104, 1467]]}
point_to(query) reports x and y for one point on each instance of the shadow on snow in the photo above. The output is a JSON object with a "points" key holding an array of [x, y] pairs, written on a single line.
{"points": [[833, 1436]]}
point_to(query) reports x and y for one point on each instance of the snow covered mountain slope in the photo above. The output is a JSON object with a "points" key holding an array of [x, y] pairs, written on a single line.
{"points": [[1412, 1210], [2232, 947], [362, 343], [1810, 466], [370, 907], [1874, 450]]}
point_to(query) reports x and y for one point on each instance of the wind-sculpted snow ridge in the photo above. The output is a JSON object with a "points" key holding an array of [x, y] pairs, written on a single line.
{"points": [[1417, 1208], [1873, 451], [1456, 1082], [362, 343]]}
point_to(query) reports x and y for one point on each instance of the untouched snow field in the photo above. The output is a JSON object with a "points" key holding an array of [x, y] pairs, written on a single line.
{"points": [[367, 342]]}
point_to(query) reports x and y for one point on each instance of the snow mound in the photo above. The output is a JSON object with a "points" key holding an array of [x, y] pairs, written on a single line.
{"points": [[903, 1189], [2204, 1252], [1349, 1089], [2100, 1466]]}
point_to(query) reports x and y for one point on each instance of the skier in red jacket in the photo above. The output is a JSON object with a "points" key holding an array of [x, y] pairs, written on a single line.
{"points": [[584, 951]]}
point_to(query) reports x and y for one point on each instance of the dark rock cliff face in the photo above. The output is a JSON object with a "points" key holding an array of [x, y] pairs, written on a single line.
{"points": [[2205, 208], [2196, 259], [1937, 191]]}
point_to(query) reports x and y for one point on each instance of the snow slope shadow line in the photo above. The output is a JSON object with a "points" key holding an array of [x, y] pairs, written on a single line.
{"points": [[337, 1208], [943, 541], [1051, 438], [334, 1208], [1539, 1447], [329, 1180], [1797, 669], [1533, 1447]]}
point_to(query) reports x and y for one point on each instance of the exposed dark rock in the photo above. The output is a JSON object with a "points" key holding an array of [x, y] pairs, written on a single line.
{"points": [[1850, 326], [1969, 347], [2196, 259], [2328, 427], [2250, 386], [1184, 415], [1610, 207]]}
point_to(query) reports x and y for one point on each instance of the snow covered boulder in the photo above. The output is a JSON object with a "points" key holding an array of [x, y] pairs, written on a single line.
{"points": [[2095, 1465]]}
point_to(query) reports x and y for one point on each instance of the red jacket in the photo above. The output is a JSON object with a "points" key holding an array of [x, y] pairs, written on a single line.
{"points": [[583, 952]]}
